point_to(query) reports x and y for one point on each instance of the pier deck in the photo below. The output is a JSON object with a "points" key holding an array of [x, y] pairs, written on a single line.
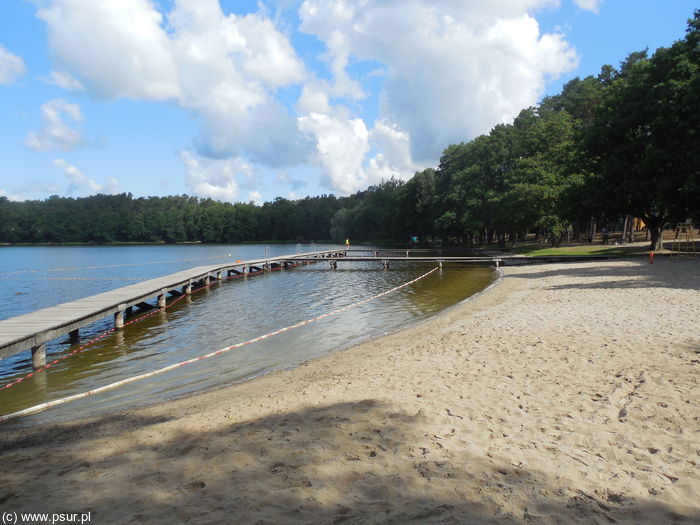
{"points": [[34, 329]]}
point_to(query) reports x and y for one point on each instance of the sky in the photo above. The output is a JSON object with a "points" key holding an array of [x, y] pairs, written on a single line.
{"points": [[242, 100]]}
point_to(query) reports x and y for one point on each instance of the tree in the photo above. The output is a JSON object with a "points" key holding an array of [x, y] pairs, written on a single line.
{"points": [[644, 139]]}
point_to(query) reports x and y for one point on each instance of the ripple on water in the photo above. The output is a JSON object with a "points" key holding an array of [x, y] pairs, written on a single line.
{"points": [[230, 313]]}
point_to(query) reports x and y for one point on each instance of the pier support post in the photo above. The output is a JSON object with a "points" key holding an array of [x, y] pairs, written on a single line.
{"points": [[39, 356], [187, 289], [385, 263], [119, 320], [161, 300], [207, 280], [74, 336], [219, 277], [245, 271], [440, 264]]}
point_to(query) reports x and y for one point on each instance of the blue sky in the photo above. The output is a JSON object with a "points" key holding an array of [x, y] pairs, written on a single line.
{"points": [[241, 100]]}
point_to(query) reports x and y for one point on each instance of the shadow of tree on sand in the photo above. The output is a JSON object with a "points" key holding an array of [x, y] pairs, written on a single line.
{"points": [[355, 462], [666, 272]]}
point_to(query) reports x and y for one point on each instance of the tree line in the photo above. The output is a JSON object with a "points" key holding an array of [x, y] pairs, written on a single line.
{"points": [[624, 142], [123, 218]]}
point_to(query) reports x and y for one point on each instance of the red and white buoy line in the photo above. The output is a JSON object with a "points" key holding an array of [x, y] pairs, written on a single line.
{"points": [[140, 377], [106, 333]]}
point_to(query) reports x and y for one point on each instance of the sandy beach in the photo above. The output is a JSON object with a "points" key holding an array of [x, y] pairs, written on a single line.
{"points": [[567, 393]]}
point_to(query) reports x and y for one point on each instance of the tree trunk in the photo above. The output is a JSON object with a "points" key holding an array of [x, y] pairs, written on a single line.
{"points": [[501, 236], [655, 227], [556, 240], [623, 237], [656, 240], [513, 237]]}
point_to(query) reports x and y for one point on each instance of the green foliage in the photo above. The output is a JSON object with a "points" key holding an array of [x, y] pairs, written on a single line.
{"points": [[624, 142], [121, 218], [644, 140]]}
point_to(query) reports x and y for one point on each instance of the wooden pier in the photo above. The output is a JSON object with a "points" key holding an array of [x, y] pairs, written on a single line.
{"points": [[35, 329], [387, 259]]}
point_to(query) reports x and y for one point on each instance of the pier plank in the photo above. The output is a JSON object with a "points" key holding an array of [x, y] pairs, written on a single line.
{"points": [[24, 331], [35, 328]]}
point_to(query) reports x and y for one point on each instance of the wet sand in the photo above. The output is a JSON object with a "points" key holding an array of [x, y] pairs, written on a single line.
{"points": [[567, 393]]}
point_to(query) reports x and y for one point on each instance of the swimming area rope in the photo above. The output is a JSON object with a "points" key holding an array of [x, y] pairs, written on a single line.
{"points": [[106, 333], [43, 406]]}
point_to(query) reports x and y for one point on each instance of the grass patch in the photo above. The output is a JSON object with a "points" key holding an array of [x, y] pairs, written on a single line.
{"points": [[595, 249]]}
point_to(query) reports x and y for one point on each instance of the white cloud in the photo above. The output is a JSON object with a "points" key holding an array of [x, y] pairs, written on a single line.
{"points": [[11, 196], [314, 99], [11, 66], [56, 133], [341, 146], [255, 197], [64, 80], [224, 69], [447, 72], [394, 157], [589, 5], [81, 185], [115, 48], [230, 67], [454, 69], [216, 179]]}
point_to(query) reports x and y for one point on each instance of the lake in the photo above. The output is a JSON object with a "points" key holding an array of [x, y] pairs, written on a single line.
{"points": [[227, 313]]}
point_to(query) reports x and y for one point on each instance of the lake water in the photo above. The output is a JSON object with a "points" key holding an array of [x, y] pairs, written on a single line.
{"points": [[227, 313]]}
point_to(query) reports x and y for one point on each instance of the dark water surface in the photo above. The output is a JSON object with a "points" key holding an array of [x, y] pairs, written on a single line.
{"points": [[225, 314]]}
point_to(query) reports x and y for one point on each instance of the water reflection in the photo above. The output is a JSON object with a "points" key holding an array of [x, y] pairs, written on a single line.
{"points": [[229, 313]]}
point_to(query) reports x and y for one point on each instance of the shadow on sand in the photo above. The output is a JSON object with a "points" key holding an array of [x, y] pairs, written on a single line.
{"points": [[358, 462], [666, 272]]}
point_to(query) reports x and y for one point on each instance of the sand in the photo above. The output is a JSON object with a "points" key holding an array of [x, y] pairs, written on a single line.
{"points": [[567, 393]]}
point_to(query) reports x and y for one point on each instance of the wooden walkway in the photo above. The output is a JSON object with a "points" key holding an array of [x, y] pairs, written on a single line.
{"points": [[35, 329], [386, 259]]}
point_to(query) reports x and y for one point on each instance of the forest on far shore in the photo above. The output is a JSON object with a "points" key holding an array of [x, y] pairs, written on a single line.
{"points": [[623, 143]]}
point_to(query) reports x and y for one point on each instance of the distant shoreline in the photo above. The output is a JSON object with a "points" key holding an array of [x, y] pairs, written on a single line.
{"points": [[156, 243]]}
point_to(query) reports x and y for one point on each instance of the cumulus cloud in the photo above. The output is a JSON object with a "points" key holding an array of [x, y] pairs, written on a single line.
{"points": [[224, 69], [394, 157], [454, 69], [589, 5], [341, 146], [11, 66], [230, 67], [56, 132], [115, 48], [255, 197], [65, 81], [214, 178], [81, 185], [446, 71]]}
